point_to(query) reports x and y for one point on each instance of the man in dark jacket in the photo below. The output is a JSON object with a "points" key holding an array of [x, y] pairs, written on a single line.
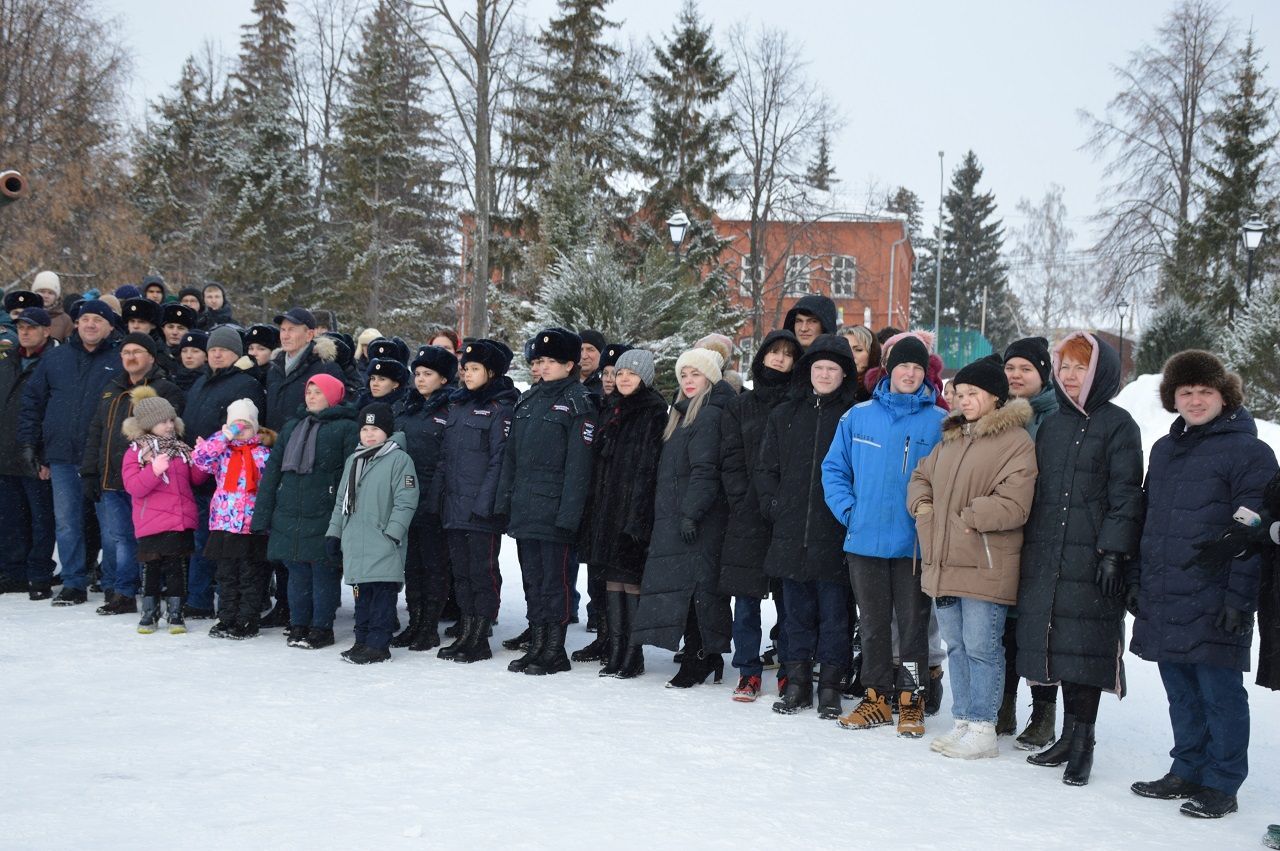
{"points": [[593, 344], [230, 377], [101, 472], [301, 356], [746, 537], [144, 316], [805, 542], [1198, 625], [58, 402], [26, 501], [811, 316]]}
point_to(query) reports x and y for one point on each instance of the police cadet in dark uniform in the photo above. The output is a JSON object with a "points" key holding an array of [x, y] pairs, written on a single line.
{"points": [[175, 321], [142, 316], [546, 475], [260, 343], [465, 488], [193, 359]]}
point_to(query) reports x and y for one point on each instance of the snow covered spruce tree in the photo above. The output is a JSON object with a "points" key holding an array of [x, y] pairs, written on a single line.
{"points": [[1236, 188], [687, 148], [1250, 347], [972, 270], [177, 168], [1172, 328], [389, 236], [264, 197]]}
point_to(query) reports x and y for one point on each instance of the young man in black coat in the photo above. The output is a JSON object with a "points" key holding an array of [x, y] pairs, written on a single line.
{"points": [[546, 475], [811, 316], [806, 543]]}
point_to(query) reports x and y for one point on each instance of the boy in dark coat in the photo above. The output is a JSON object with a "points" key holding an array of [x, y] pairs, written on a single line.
{"points": [[1198, 626]]}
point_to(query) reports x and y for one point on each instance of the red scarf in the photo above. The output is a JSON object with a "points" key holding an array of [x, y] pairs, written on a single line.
{"points": [[242, 462]]}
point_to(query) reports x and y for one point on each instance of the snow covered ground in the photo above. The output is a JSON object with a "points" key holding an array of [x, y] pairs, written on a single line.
{"points": [[117, 740]]}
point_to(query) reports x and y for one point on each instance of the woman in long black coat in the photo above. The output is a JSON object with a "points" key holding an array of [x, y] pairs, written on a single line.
{"points": [[680, 592], [746, 538], [806, 542], [1085, 521], [619, 520]]}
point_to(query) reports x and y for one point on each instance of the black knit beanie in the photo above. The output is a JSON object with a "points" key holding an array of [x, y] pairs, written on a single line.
{"points": [[1035, 350], [908, 350], [987, 373]]}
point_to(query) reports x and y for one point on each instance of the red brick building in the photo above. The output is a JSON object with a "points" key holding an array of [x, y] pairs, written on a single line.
{"points": [[861, 262]]}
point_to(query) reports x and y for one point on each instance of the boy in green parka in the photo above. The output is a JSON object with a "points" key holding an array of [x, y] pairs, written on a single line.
{"points": [[377, 499]]}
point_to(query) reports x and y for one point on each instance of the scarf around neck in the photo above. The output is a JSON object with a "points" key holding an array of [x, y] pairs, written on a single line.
{"points": [[300, 451], [242, 463], [153, 445], [362, 457]]}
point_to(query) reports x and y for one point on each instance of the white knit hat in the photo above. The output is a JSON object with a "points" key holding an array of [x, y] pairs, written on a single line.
{"points": [[243, 409], [705, 361], [47, 280]]}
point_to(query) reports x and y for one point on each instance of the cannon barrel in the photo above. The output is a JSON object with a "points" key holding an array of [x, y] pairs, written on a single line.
{"points": [[12, 187]]}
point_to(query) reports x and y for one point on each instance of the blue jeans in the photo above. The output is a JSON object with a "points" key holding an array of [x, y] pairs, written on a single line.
{"points": [[27, 529], [1209, 711], [115, 514], [817, 622], [68, 517], [974, 633], [200, 570], [314, 590]]}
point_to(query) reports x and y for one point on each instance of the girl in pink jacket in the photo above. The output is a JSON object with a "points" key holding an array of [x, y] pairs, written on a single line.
{"points": [[158, 474]]}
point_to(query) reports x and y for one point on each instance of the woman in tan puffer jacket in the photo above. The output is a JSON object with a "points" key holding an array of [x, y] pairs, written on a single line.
{"points": [[971, 497]]}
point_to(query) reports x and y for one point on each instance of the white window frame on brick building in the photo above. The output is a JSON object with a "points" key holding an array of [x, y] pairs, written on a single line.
{"points": [[844, 276], [797, 275], [744, 276]]}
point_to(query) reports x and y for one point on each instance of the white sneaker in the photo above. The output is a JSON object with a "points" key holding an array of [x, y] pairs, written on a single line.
{"points": [[978, 742], [947, 739]]}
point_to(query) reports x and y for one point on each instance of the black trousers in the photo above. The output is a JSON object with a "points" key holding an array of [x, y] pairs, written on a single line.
{"points": [[1081, 701], [885, 587], [165, 577], [242, 586], [545, 567], [376, 613], [426, 569], [477, 581]]}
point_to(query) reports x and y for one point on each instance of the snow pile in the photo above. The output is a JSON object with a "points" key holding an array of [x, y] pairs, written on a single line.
{"points": [[1141, 398]]}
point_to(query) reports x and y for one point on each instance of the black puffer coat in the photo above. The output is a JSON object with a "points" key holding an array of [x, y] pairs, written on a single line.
{"points": [[14, 372], [207, 402], [1197, 479], [295, 508], [422, 421], [677, 574], [619, 520], [465, 481], [1269, 601], [806, 543], [1088, 498], [741, 434], [546, 468]]}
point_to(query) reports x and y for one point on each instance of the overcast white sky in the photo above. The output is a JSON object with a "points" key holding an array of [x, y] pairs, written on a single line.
{"points": [[1003, 78]]}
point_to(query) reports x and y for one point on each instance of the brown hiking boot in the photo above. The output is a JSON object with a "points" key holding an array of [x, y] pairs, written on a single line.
{"points": [[873, 711], [910, 715]]}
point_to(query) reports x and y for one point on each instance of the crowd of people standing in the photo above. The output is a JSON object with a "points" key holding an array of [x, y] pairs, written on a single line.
{"points": [[997, 527]]}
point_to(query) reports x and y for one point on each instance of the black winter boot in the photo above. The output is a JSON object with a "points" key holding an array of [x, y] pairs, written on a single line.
{"points": [[1040, 729], [1007, 719], [598, 649], [1080, 757], [150, 615], [552, 659], [277, 617], [933, 691], [428, 637], [464, 635], [177, 625], [633, 658], [830, 679], [520, 642], [616, 630], [317, 639], [1209, 803], [1168, 788], [1060, 751], [537, 641], [477, 647], [851, 686], [407, 635], [798, 695]]}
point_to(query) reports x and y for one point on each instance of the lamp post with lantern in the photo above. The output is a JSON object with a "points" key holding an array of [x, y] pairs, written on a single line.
{"points": [[1251, 234], [677, 226]]}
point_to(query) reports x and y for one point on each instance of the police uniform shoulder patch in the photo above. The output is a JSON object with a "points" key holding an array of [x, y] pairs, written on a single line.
{"points": [[563, 408], [588, 432]]}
